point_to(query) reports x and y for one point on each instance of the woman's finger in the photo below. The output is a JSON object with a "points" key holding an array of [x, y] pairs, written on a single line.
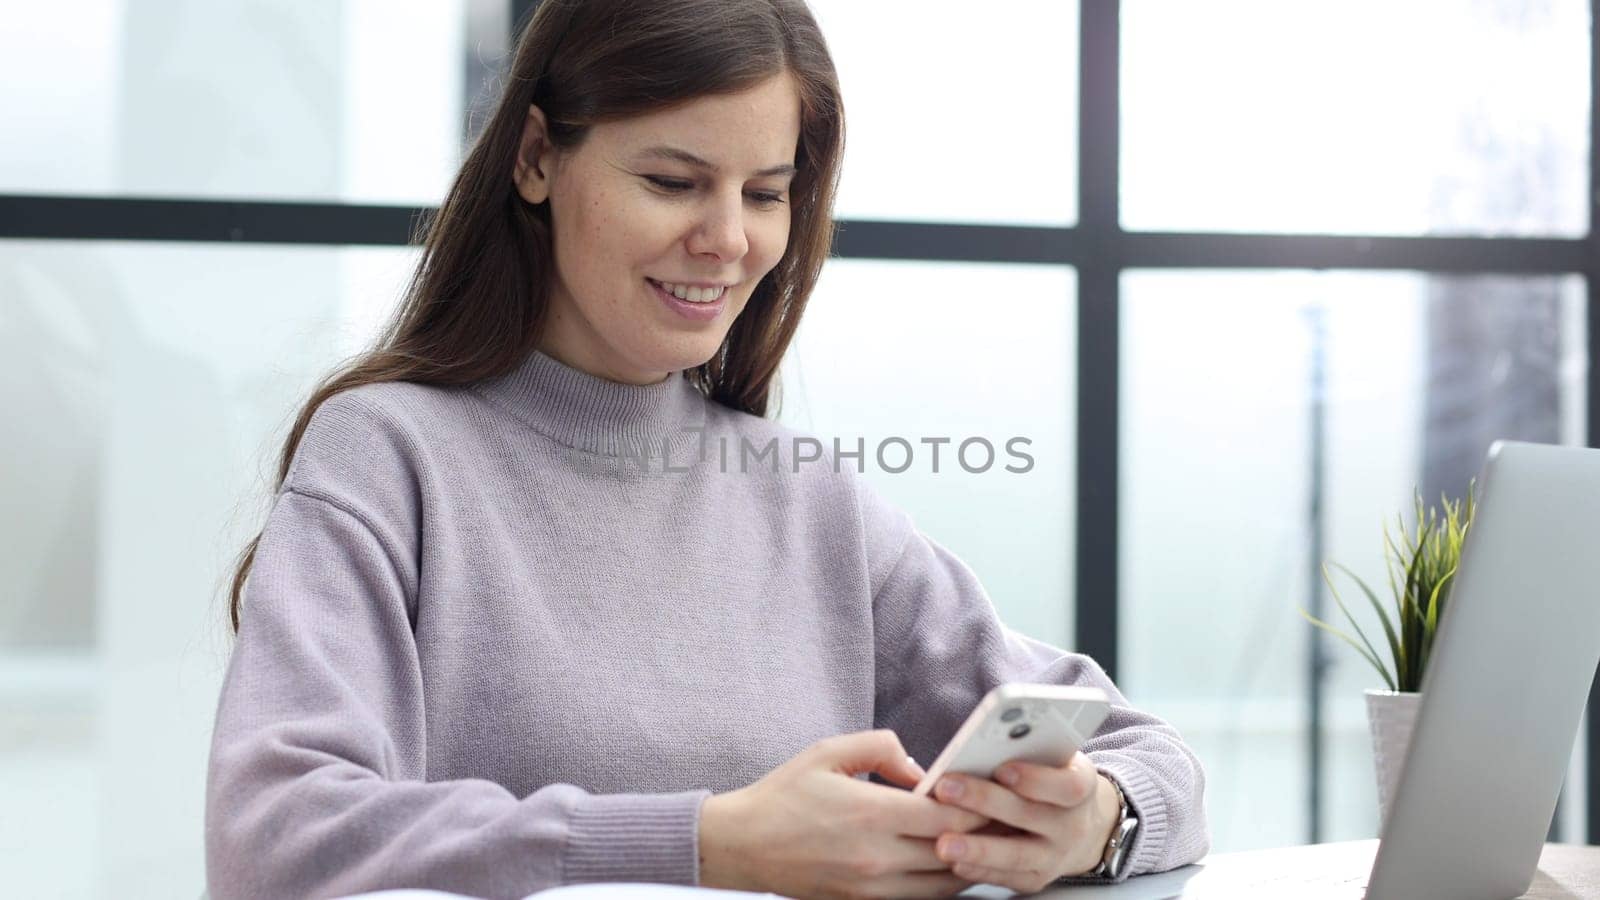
{"points": [[995, 802], [922, 817], [908, 854], [1022, 853], [917, 884], [1071, 785], [1021, 882]]}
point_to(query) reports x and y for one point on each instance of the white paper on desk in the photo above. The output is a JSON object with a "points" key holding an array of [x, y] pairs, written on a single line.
{"points": [[1143, 887], [619, 891], [1315, 872], [407, 894], [629, 891], [1160, 886]]}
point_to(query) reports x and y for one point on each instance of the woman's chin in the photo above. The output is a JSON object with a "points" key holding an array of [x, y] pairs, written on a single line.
{"points": [[691, 353]]}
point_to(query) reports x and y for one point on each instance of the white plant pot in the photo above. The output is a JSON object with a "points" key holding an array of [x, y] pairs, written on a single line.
{"points": [[1390, 715]]}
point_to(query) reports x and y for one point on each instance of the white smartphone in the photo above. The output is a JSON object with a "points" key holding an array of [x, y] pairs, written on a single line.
{"points": [[1037, 723]]}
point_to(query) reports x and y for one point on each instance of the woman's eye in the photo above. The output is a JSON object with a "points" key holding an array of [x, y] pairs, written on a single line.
{"points": [[678, 186], [668, 184]]}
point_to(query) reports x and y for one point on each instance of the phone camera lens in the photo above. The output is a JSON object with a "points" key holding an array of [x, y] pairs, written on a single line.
{"points": [[1012, 714], [1020, 731]]}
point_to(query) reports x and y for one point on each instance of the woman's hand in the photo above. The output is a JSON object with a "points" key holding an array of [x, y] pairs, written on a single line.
{"points": [[1051, 822], [810, 828]]}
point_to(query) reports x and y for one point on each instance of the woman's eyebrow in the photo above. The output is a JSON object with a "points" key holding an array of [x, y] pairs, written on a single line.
{"points": [[684, 156]]}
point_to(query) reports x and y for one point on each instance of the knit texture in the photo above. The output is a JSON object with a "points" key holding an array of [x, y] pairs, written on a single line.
{"points": [[510, 636]]}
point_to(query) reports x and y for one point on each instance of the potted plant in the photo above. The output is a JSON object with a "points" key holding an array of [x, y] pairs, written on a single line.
{"points": [[1421, 566]]}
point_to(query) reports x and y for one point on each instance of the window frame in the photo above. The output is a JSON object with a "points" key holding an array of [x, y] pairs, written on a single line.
{"points": [[1097, 247]]}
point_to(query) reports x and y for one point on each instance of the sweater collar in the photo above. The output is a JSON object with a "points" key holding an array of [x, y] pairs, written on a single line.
{"points": [[591, 414]]}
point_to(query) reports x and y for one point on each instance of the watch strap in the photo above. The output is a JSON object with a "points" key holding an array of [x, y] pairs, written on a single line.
{"points": [[1115, 856]]}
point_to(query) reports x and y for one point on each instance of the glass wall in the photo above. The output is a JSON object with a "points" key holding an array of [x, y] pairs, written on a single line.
{"points": [[918, 353], [971, 352], [957, 114], [1252, 398], [357, 101], [157, 383], [1249, 399], [154, 383], [1356, 116]]}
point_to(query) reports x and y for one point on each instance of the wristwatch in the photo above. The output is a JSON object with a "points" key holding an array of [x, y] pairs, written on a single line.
{"points": [[1115, 857]]}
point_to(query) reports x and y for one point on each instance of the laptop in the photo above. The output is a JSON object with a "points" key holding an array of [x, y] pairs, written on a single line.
{"points": [[1505, 689]]}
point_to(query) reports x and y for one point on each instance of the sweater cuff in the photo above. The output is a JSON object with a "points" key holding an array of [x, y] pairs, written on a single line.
{"points": [[635, 837], [1149, 806]]}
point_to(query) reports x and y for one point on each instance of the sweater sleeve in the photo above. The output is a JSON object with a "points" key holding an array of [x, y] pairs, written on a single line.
{"points": [[317, 784], [940, 647]]}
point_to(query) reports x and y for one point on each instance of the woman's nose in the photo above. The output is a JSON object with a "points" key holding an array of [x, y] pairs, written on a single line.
{"points": [[720, 231]]}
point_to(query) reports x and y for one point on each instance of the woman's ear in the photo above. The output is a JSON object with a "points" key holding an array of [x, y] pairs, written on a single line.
{"points": [[535, 158]]}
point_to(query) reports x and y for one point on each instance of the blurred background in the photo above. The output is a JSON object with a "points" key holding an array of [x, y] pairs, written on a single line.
{"points": [[1246, 273]]}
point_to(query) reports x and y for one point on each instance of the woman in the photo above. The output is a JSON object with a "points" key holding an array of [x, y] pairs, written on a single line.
{"points": [[511, 625]]}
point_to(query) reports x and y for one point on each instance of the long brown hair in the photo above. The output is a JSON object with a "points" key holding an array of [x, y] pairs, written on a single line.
{"points": [[475, 307]]}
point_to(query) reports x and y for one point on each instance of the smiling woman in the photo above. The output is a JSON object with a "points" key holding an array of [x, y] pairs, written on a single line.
{"points": [[491, 278], [477, 650], [659, 247]]}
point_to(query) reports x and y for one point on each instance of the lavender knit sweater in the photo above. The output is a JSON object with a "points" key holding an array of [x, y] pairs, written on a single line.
{"points": [[489, 646]]}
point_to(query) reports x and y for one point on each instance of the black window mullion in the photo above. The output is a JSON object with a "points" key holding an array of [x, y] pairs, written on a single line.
{"points": [[521, 12], [1096, 536], [1094, 243], [1592, 383], [205, 221]]}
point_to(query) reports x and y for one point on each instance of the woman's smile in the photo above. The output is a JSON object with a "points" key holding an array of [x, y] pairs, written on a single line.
{"points": [[694, 304]]}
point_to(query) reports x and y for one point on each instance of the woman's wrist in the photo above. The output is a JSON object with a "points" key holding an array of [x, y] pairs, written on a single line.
{"points": [[719, 856], [1108, 807], [1107, 817]]}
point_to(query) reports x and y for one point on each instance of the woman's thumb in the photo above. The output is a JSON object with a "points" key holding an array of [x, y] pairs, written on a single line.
{"points": [[877, 751]]}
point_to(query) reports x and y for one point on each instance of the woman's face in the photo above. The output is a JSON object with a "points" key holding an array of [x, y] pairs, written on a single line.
{"points": [[693, 200]]}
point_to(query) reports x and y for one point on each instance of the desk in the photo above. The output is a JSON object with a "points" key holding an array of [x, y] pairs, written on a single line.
{"points": [[1566, 872]]}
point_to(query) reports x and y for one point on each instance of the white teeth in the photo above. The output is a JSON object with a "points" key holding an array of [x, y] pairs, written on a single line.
{"points": [[692, 294]]}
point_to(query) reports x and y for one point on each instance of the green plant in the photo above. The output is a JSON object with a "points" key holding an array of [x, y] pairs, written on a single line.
{"points": [[1421, 567]]}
